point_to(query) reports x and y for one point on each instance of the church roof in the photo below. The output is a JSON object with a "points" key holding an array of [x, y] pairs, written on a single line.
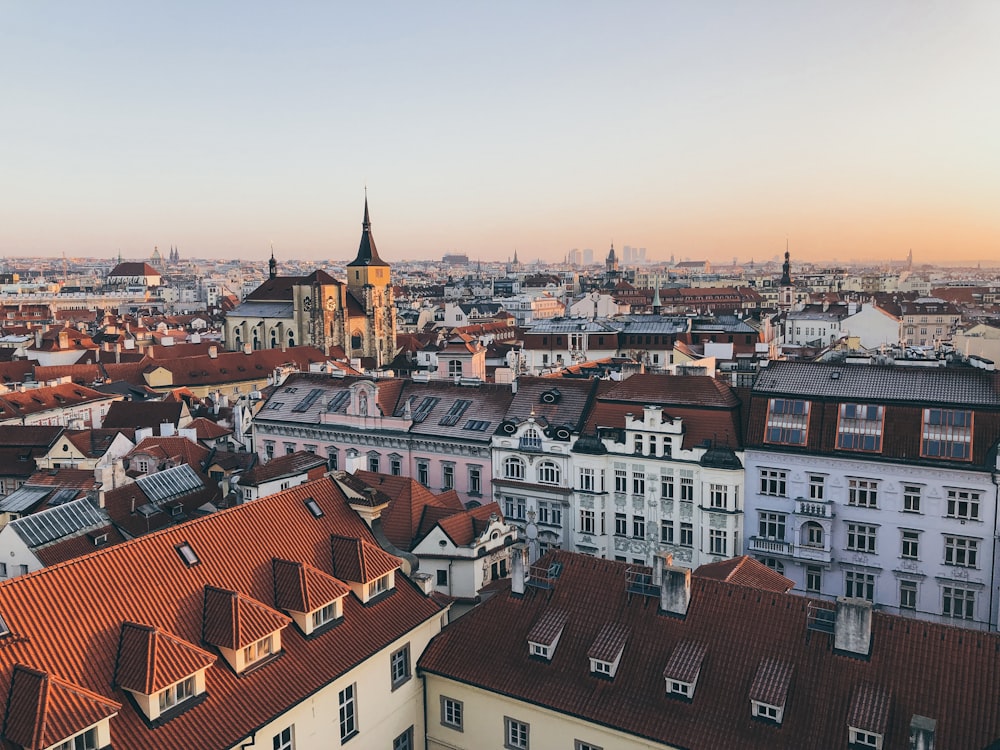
{"points": [[367, 254]]}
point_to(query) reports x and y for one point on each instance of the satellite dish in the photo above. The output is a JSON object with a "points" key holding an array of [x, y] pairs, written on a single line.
{"points": [[531, 531]]}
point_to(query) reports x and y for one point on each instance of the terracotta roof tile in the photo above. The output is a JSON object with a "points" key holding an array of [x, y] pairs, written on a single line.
{"points": [[302, 588], [548, 627], [746, 571], [870, 708], [464, 527], [685, 661], [290, 464], [770, 684], [609, 642], [151, 659], [43, 709], [360, 561], [234, 621]]}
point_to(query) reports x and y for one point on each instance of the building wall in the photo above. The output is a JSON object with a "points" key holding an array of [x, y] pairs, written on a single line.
{"points": [[484, 713]]}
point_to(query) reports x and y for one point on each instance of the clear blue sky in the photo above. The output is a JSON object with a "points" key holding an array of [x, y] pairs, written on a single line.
{"points": [[856, 129]]}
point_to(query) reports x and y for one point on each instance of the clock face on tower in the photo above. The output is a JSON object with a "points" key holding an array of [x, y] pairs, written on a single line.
{"points": [[329, 303], [307, 303]]}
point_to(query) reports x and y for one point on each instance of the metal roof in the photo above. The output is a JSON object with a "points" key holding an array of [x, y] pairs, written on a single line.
{"points": [[173, 482], [264, 310], [23, 498], [56, 523]]}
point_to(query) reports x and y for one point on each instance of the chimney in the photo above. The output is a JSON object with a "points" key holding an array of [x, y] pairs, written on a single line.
{"points": [[852, 632], [167, 429], [675, 588], [213, 352], [922, 731], [518, 568], [247, 349], [38, 338]]}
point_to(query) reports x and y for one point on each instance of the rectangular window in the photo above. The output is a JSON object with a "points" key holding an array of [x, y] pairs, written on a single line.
{"points": [[333, 459], [667, 532], [399, 666], [379, 585], [963, 504], [580, 745], [960, 551], [587, 480], [666, 488], [947, 433], [814, 579], [423, 473], [687, 490], [639, 527], [452, 713], [771, 526], [719, 496], [958, 603], [638, 483], [258, 650], [515, 734], [373, 463], [176, 694], [348, 712], [787, 422], [395, 466], [911, 498], [862, 493], [859, 427], [773, 482], [717, 543], [621, 524], [910, 545], [861, 738], [442, 577], [404, 741], [586, 521], [859, 585], [475, 480], [448, 477], [621, 480], [861, 537], [324, 615], [817, 486], [687, 535], [283, 740], [908, 595]]}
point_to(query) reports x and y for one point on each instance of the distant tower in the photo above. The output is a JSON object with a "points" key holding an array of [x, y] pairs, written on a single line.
{"points": [[611, 272], [657, 304], [272, 266], [156, 261], [368, 279], [909, 260], [786, 294]]}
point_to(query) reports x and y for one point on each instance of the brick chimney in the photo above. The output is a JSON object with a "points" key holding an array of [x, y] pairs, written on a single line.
{"points": [[852, 632]]}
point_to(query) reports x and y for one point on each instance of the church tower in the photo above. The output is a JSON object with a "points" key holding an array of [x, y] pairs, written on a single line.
{"points": [[786, 292], [370, 283]]}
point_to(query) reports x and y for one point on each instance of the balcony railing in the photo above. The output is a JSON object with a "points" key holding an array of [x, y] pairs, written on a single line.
{"points": [[770, 546], [814, 508]]}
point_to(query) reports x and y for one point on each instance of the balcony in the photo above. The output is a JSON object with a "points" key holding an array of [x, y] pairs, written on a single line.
{"points": [[814, 508], [770, 546]]}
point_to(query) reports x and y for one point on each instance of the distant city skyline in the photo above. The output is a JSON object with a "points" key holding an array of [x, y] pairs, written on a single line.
{"points": [[855, 130]]}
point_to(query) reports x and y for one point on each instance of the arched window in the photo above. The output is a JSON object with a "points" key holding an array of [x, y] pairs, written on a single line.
{"points": [[513, 468], [455, 368], [531, 440], [548, 473], [812, 535]]}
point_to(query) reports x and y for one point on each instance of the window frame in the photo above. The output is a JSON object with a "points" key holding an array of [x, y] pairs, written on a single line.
{"points": [[347, 711], [285, 739], [516, 734], [452, 713], [400, 671]]}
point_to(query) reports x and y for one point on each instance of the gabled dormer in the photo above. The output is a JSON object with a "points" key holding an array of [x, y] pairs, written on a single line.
{"points": [[246, 632], [605, 654], [769, 690], [44, 711], [683, 669], [163, 673], [545, 634], [368, 570], [313, 599], [868, 717]]}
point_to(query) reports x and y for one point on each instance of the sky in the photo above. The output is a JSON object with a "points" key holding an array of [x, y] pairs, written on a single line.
{"points": [[716, 130]]}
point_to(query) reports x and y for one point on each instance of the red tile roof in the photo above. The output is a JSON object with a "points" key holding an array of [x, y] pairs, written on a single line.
{"points": [[464, 527], [770, 684], [151, 659], [146, 581], [409, 501], [234, 621], [301, 588], [746, 571], [206, 429], [609, 642], [43, 709], [360, 561], [291, 464], [946, 673]]}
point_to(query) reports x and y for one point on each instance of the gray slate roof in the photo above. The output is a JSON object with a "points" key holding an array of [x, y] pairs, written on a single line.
{"points": [[938, 385], [264, 310]]}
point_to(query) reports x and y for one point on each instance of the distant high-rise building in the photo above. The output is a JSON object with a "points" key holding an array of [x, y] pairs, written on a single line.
{"points": [[575, 257], [588, 256]]}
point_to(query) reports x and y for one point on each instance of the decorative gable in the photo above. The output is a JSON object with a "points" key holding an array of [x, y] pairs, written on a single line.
{"points": [[312, 598], [769, 690], [605, 653], [160, 670], [683, 668], [544, 635], [368, 570], [246, 632], [44, 710]]}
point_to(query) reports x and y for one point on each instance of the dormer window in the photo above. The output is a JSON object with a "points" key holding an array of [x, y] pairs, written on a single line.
{"points": [[860, 738], [868, 717], [312, 598], [258, 650], [769, 690], [175, 694], [537, 649], [326, 614], [606, 652], [683, 669], [379, 585], [544, 636]]}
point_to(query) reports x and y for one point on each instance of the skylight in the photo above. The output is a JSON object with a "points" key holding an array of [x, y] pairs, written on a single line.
{"points": [[314, 508], [187, 554], [455, 412]]}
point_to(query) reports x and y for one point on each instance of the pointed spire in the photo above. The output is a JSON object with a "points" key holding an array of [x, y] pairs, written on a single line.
{"points": [[272, 265], [367, 253]]}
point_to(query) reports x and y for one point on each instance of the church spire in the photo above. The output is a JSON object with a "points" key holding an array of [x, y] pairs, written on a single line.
{"points": [[272, 265], [367, 253]]}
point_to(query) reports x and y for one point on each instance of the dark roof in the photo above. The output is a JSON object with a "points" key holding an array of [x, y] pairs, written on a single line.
{"points": [[881, 383], [367, 254], [130, 268], [945, 673], [291, 464], [143, 414]]}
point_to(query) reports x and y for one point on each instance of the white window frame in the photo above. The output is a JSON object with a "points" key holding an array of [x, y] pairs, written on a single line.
{"points": [[347, 704]]}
